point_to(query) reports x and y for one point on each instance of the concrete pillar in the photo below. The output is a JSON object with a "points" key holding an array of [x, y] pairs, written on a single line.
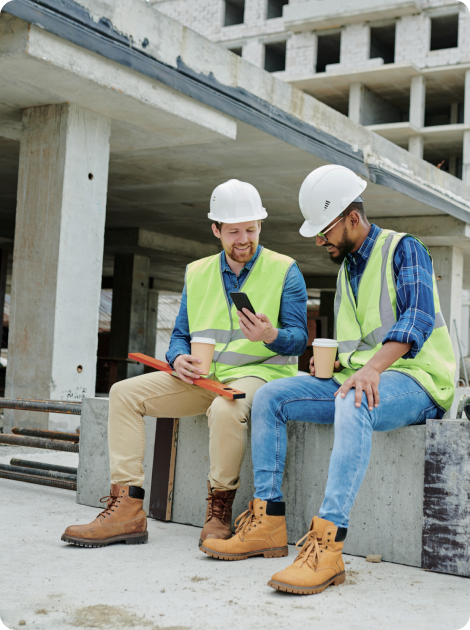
{"points": [[416, 146], [3, 286], [448, 267], [57, 260], [253, 51], [466, 135], [356, 95], [129, 313], [417, 109], [327, 309], [152, 312], [454, 113]]}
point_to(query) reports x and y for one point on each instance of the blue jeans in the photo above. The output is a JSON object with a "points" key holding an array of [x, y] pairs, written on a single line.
{"points": [[309, 399]]}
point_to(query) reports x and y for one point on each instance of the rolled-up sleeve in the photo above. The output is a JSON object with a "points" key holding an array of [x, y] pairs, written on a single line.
{"points": [[415, 298], [293, 335]]}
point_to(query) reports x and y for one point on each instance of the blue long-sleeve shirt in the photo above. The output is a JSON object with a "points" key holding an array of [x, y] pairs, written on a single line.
{"points": [[292, 337], [413, 271]]}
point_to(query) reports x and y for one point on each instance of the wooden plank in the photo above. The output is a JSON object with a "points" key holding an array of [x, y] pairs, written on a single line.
{"points": [[446, 515], [163, 472], [218, 388]]}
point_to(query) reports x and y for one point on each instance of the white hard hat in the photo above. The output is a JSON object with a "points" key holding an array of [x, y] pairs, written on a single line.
{"points": [[236, 202], [325, 193]]}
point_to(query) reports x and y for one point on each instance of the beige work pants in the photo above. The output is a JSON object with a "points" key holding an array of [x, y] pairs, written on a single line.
{"points": [[161, 395]]}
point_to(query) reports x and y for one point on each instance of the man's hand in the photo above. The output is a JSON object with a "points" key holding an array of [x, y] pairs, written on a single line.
{"points": [[366, 380], [257, 327], [337, 368], [186, 369]]}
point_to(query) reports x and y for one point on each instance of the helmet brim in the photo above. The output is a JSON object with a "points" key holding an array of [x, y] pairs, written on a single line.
{"points": [[261, 216], [308, 229]]}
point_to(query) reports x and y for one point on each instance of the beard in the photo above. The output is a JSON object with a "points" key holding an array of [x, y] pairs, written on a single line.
{"points": [[239, 257], [344, 247]]}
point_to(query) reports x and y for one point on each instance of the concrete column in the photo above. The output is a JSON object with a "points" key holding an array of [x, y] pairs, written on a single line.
{"points": [[466, 111], [466, 158], [253, 52], [129, 313], [152, 312], [417, 109], [416, 146], [327, 309], [57, 260], [454, 113], [3, 286], [356, 96], [448, 267]]}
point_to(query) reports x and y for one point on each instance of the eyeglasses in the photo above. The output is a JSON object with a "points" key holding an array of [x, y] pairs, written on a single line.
{"points": [[323, 236]]}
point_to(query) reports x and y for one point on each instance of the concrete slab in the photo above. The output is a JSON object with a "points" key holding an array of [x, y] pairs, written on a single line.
{"points": [[93, 469], [387, 516], [170, 584]]}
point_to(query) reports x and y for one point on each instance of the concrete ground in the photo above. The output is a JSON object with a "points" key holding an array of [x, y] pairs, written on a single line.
{"points": [[169, 585]]}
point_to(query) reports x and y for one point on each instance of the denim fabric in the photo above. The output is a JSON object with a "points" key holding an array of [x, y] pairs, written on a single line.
{"points": [[413, 271], [292, 337], [305, 398]]}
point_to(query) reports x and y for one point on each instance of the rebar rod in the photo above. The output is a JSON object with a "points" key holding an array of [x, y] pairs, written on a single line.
{"points": [[51, 445], [42, 481], [50, 435], [69, 470], [54, 406], [38, 473]]}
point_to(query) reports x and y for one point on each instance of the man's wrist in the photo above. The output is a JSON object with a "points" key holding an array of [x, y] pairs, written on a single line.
{"points": [[272, 336]]}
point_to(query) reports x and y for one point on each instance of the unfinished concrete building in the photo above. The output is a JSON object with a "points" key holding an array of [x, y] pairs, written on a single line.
{"points": [[399, 67]]}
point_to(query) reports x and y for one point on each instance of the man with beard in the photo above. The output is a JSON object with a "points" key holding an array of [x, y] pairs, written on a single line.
{"points": [[250, 351], [395, 368]]}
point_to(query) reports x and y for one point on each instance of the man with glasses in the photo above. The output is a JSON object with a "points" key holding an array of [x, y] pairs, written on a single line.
{"points": [[395, 368]]}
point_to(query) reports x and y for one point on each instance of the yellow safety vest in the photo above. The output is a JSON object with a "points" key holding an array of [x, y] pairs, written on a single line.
{"points": [[210, 316], [361, 329]]}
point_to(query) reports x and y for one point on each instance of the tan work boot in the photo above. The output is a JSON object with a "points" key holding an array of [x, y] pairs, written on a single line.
{"points": [[261, 531], [123, 520], [218, 522], [318, 564]]}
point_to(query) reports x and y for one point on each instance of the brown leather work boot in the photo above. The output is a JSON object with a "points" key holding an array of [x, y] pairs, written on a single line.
{"points": [[123, 520], [218, 522], [261, 531], [319, 563]]}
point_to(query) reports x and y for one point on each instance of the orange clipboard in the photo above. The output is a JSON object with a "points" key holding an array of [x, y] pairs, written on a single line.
{"points": [[205, 383]]}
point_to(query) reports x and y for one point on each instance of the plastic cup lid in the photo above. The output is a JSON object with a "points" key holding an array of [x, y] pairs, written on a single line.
{"points": [[212, 342], [325, 343]]}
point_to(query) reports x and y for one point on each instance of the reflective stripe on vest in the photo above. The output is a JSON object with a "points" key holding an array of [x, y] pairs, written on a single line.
{"points": [[362, 328], [210, 316]]}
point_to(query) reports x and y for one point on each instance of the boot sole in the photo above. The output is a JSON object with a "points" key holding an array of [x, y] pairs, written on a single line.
{"points": [[129, 539], [308, 590], [277, 552]]}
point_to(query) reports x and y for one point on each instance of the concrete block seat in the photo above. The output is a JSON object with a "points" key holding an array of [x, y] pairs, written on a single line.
{"points": [[387, 518]]}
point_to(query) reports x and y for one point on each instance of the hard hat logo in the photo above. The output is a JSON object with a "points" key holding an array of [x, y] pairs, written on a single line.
{"points": [[236, 202], [325, 193]]}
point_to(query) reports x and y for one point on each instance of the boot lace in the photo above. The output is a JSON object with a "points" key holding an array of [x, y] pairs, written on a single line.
{"points": [[310, 552], [218, 506], [111, 502], [244, 522]]}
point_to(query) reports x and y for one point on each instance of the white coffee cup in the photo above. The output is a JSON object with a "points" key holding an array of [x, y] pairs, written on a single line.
{"points": [[203, 349], [324, 354]]}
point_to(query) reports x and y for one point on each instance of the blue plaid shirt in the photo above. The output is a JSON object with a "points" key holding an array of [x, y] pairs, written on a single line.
{"points": [[413, 271]]}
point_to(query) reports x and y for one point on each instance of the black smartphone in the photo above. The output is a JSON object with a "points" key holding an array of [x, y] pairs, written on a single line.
{"points": [[242, 301]]}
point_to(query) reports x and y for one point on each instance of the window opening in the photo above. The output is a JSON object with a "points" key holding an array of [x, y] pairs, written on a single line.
{"points": [[328, 50], [275, 8], [236, 51], [382, 43], [234, 12], [275, 57], [445, 32]]}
